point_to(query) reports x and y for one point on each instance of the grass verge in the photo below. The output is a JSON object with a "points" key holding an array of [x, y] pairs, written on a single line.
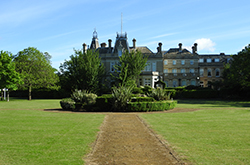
{"points": [[216, 134], [39, 137]]}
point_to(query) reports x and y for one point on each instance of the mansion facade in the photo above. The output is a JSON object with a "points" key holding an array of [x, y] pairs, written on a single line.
{"points": [[176, 66]]}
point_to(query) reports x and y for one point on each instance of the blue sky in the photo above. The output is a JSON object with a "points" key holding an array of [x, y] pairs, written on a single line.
{"points": [[59, 26]]}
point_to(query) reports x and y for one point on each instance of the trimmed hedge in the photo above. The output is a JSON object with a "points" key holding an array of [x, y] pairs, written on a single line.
{"points": [[142, 99], [198, 94], [103, 103], [151, 106]]}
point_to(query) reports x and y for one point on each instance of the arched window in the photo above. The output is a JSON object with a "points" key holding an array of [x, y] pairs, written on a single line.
{"points": [[209, 72], [217, 72]]}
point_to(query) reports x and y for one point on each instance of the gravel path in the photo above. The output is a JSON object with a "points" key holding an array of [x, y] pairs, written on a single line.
{"points": [[125, 139]]}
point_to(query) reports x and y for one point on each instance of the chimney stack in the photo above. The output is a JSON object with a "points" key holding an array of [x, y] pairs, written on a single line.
{"points": [[160, 47], [134, 43], [103, 45], [195, 47], [180, 47], [110, 42], [84, 48]]}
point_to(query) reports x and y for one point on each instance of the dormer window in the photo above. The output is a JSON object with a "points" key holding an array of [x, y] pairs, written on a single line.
{"points": [[216, 60]]}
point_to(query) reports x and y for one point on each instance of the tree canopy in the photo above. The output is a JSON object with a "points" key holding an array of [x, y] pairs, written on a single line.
{"points": [[84, 71], [238, 72], [129, 68], [36, 69], [9, 78]]}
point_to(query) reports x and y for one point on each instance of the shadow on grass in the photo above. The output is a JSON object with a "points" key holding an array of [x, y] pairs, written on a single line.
{"points": [[216, 103]]}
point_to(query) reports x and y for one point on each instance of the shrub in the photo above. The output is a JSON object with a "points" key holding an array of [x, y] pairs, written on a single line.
{"points": [[151, 106], [67, 104], [78, 96], [84, 97], [142, 99], [137, 90], [104, 103], [121, 96], [160, 94], [147, 89]]}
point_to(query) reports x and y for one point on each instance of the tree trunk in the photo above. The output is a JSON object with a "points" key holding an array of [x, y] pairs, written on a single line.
{"points": [[30, 92]]}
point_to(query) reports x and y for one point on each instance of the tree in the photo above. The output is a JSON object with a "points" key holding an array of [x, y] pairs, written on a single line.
{"points": [[9, 78], [238, 72], [35, 68], [84, 71], [129, 68]]}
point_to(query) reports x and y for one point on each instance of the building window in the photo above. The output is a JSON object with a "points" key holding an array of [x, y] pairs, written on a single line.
{"points": [[148, 67], [112, 64], [191, 70], [166, 82], [216, 60], [191, 62], [183, 83], [193, 82], [209, 72], [174, 83], [147, 82], [140, 81], [154, 66], [201, 60], [174, 71], [183, 70], [217, 72], [174, 62], [165, 70], [182, 62], [165, 62], [201, 72], [209, 60]]}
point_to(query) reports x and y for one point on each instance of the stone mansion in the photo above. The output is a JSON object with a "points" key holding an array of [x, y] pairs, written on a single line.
{"points": [[176, 66]]}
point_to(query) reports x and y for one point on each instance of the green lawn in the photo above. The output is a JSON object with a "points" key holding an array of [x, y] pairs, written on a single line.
{"points": [[29, 135], [218, 133]]}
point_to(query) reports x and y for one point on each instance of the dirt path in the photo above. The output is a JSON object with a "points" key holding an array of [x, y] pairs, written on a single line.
{"points": [[124, 139]]}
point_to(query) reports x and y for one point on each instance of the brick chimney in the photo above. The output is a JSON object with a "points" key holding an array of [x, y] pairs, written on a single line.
{"points": [[134, 43], [84, 48]]}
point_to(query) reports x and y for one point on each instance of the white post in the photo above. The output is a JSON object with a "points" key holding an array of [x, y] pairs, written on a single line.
{"points": [[4, 94], [8, 97]]}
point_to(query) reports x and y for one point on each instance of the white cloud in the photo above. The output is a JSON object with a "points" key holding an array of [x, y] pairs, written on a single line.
{"points": [[205, 44]]}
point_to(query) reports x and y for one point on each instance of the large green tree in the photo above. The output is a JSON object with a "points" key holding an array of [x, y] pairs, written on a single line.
{"points": [[129, 68], [84, 71], [35, 68], [237, 73], [9, 78]]}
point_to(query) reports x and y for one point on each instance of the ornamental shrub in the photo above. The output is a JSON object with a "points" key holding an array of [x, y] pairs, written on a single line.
{"points": [[84, 97], [121, 96], [67, 104], [160, 94]]}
